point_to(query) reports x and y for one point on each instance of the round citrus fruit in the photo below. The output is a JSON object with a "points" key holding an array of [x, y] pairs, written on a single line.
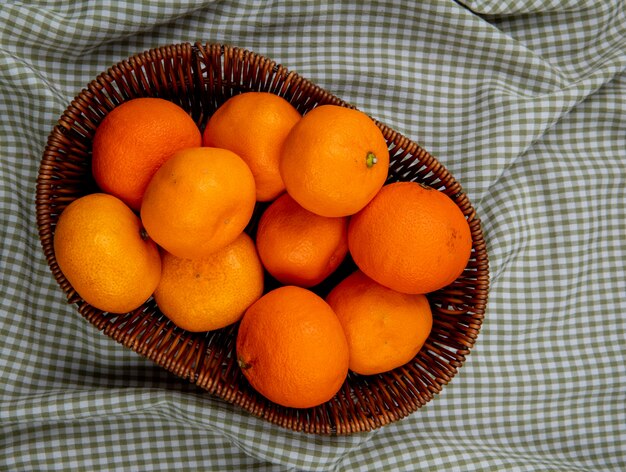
{"points": [[292, 348], [104, 253], [213, 292], [334, 160], [254, 125], [299, 247], [385, 329], [132, 142], [198, 201], [411, 238]]}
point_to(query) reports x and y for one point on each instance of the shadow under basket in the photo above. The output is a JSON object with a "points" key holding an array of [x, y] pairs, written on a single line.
{"points": [[199, 78]]}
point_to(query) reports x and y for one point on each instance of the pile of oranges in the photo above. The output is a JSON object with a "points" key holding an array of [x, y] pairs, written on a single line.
{"points": [[171, 221]]}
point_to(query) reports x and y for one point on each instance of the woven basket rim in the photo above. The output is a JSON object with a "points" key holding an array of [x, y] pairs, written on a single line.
{"points": [[199, 76]]}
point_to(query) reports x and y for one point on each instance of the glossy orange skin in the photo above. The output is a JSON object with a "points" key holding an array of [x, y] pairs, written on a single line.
{"points": [[292, 348], [134, 140], [102, 250], [299, 247], [210, 293], [254, 125], [385, 329], [411, 238], [334, 161], [198, 202]]}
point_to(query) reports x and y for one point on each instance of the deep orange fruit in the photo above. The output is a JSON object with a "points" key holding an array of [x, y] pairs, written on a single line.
{"points": [[299, 247], [134, 140], [254, 125], [385, 329], [411, 238], [213, 292], [334, 160], [104, 253], [292, 348], [198, 202]]}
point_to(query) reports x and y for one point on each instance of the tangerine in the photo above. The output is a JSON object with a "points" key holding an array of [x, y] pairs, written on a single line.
{"points": [[299, 247], [334, 160], [134, 140], [385, 329], [213, 292], [198, 202], [292, 348], [254, 125], [411, 238], [104, 253]]}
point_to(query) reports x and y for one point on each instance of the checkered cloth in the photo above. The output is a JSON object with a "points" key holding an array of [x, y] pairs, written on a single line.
{"points": [[523, 101]]}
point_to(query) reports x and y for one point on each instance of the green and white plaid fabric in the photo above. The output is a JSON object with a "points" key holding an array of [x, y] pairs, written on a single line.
{"points": [[523, 101]]}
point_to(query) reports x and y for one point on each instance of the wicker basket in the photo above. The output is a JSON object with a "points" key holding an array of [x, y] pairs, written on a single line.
{"points": [[200, 77]]}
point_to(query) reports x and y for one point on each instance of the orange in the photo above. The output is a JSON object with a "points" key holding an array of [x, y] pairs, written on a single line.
{"points": [[104, 253], [199, 201], [132, 142], [385, 329], [299, 247], [334, 160], [410, 238], [292, 349], [254, 125], [213, 292]]}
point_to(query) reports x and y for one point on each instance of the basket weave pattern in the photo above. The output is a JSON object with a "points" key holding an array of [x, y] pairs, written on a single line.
{"points": [[199, 78]]}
